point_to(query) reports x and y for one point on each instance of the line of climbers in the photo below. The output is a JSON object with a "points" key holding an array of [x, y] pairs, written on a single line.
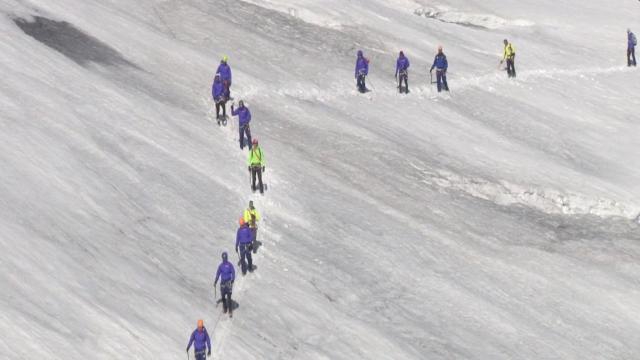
{"points": [[246, 244], [440, 64], [247, 234], [221, 93]]}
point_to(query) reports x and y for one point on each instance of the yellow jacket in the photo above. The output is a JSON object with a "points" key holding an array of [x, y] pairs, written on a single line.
{"points": [[509, 51], [255, 157], [251, 217]]}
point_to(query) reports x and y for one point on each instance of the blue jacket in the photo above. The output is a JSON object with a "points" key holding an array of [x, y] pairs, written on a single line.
{"points": [[402, 64], [226, 272], [225, 72], [243, 114], [244, 236], [631, 40], [362, 65], [218, 90], [200, 340], [440, 62]]}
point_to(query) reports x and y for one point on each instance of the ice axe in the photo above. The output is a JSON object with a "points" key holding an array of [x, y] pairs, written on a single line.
{"points": [[431, 77]]}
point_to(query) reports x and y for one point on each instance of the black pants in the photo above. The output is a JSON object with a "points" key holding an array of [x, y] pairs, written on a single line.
{"points": [[226, 288], [403, 76], [227, 88], [246, 262], [511, 66], [221, 105], [256, 172], [631, 56], [361, 83], [441, 77], [201, 355], [254, 232], [245, 130]]}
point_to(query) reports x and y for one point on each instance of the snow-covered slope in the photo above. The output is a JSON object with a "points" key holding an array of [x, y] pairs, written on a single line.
{"points": [[499, 222]]}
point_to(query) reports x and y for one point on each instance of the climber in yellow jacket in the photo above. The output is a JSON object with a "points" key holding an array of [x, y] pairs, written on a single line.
{"points": [[251, 217], [510, 57], [255, 163]]}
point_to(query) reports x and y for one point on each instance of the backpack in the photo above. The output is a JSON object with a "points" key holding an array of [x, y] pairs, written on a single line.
{"points": [[512, 50], [634, 41]]}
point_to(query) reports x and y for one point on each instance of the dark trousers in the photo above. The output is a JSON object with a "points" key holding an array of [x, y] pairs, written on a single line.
{"points": [[631, 56], [201, 355], [221, 105], [403, 76], [226, 289], [361, 83], [245, 130], [246, 262], [254, 232], [227, 88], [441, 77], [511, 66], [256, 172]]}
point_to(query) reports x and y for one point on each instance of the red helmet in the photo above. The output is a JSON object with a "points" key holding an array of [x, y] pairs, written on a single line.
{"points": [[254, 141]]}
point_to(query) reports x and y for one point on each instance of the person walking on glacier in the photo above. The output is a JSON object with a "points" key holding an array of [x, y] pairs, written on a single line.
{"points": [[255, 164], [244, 239], [200, 341], [402, 72], [509, 56], [441, 65], [244, 118], [227, 275], [225, 74], [362, 70], [251, 217], [220, 97], [631, 48]]}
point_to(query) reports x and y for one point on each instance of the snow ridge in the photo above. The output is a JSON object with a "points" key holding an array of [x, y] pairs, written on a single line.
{"points": [[485, 21], [550, 201]]}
